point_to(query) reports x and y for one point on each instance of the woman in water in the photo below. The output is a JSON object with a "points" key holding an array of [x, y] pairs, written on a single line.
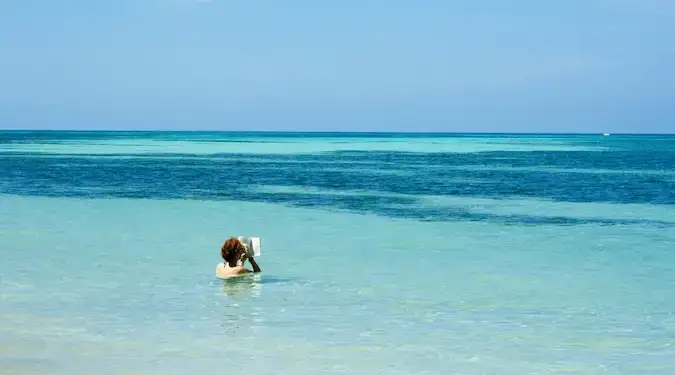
{"points": [[234, 255]]}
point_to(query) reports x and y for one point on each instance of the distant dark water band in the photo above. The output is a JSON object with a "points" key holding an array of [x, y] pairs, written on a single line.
{"points": [[231, 176], [373, 206], [615, 159]]}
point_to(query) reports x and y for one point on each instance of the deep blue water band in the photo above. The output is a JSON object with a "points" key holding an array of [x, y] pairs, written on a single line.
{"points": [[387, 183]]}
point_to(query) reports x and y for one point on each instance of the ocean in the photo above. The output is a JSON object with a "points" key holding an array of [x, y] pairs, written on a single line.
{"points": [[381, 253]]}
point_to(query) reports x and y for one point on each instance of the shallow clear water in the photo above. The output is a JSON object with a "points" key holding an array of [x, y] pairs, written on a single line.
{"points": [[398, 254]]}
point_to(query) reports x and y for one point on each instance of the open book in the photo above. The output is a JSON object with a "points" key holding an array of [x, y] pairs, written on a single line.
{"points": [[252, 245]]}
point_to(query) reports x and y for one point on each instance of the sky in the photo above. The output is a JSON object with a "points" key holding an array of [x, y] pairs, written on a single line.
{"points": [[366, 65]]}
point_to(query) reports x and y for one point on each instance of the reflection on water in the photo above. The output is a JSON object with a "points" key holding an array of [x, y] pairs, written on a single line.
{"points": [[238, 316], [242, 286]]}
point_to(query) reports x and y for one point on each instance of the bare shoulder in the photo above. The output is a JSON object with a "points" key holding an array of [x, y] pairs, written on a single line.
{"points": [[224, 271], [221, 270], [240, 269]]}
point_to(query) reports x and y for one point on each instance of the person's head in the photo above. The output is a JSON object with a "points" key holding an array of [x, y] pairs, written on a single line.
{"points": [[232, 251]]}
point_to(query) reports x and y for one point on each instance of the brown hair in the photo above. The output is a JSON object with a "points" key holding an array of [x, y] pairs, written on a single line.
{"points": [[232, 251]]}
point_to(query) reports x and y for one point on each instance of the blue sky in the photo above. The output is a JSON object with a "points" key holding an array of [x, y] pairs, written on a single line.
{"points": [[479, 65]]}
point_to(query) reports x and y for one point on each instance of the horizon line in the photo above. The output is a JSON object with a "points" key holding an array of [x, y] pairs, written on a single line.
{"points": [[319, 131]]}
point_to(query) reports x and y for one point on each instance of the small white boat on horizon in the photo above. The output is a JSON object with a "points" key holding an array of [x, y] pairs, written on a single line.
{"points": [[605, 134]]}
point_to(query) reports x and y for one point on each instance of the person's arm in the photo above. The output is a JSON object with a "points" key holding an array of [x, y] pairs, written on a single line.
{"points": [[256, 268]]}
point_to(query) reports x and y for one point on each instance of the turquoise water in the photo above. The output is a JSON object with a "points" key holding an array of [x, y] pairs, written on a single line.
{"points": [[389, 253]]}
